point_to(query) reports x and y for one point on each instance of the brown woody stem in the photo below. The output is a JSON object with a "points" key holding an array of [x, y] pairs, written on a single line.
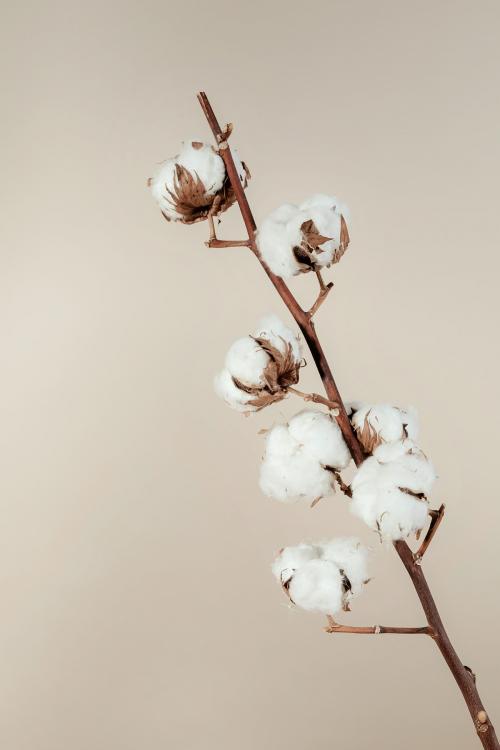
{"points": [[335, 627], [465, 681]]}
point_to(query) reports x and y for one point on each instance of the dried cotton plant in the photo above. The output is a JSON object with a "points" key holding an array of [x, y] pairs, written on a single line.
{"points": [[303, 459]]}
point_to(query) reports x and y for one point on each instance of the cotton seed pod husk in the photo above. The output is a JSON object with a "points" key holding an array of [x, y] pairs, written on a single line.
{"points": [[281, 372], [306, 254]]}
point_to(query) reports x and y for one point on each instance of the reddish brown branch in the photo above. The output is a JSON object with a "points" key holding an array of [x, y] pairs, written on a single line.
{"points": [[335, 627], [483, 726]]}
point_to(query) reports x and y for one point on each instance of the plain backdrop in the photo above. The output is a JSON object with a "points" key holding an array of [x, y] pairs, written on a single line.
{"points": [[137, 605]]}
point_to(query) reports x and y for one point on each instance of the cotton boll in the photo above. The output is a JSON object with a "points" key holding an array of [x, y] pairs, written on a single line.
{"points": [[291, 558], [296, 456], [246, 361], [350, 557], [278, 334], [317, 587], [186, 187], [264, 366], [389, 495], [234, 397], [298, 239], [321, 438]]}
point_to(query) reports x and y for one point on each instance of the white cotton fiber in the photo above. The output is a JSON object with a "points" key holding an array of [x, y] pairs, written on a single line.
{"points": [[320, 200], [227, 390], [246, 360], [291, 558], [389, 490], [317, 587], [278, 334], [296, 456], [351, 557], [382, 423], [320, 437], [201, 161], [278, 234], [288, 473]]}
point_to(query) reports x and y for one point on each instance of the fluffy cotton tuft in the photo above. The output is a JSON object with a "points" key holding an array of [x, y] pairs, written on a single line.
{"points": [[186, 185], [375, 424], [299, 456], [234, 397], [297, 239], [389, 490], [323, 577], [259, 369]]}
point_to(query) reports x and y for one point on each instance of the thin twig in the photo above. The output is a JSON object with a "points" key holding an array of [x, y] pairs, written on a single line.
{"points": [[335, 627], [314, 397], [319, 276], [323, 294], [227, 243], [436, 518]]}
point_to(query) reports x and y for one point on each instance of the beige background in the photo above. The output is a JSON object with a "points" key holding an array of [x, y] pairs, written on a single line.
{"points": [[138, 609]]}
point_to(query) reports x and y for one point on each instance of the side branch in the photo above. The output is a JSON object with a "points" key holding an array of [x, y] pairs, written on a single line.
{"points": [[335, 627], [314, 397], [227, 243], [437, 517]]}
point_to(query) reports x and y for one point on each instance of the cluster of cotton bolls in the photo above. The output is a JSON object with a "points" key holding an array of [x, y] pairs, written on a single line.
{"points": [[189, 185], [323, 577], [390, 488], [259, 368], [300, 457], [296, 239]]}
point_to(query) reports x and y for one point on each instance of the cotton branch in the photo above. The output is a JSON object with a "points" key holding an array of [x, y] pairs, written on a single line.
{"points": [[482, 724], [335, 627]]}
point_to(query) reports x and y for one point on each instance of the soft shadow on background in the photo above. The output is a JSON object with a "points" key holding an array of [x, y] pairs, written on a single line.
{"points": [[138, 608]]}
